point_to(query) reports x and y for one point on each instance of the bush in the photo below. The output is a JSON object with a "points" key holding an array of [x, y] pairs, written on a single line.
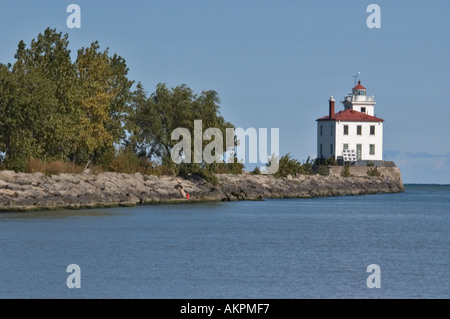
{"points": [[107, 158], [308, 167], [196, 169], [374, 172], [321, 165], [53, 167], [17, 162], [126, 161], [164, 170], [323, 170], [346, 171], [331, 161], [207, 175], [227, 168], [291, 166], [256, 171]]}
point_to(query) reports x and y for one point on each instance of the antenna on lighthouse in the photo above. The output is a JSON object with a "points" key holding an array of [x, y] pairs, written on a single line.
{"points": [[356, 76]]}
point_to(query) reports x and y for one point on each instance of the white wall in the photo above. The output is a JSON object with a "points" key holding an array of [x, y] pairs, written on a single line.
{"points": [[357, 105], [369, 108], [365, 139]]}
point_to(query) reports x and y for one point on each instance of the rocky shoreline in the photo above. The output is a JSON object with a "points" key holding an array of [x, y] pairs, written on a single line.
{"points": [[24, 192]]}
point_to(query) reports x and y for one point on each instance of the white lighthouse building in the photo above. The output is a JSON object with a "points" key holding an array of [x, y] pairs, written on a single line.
{"points": [[354, 132]]}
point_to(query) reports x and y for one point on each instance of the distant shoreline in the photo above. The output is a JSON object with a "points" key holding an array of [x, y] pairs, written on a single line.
{"points": [[31, 192]]}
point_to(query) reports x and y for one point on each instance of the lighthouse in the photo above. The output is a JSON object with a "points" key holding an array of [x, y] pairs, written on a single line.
{"points": [[352, 134]]}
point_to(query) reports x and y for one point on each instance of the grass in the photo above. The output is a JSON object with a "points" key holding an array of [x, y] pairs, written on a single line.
{"points": [[54, 167]]}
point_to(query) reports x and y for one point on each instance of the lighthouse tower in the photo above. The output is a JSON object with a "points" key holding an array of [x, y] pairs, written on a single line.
{"points": [[355, 130], [359, 101]]}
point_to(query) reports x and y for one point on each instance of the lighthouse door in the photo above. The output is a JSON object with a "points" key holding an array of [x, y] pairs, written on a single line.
{"points": [[358, 152]]}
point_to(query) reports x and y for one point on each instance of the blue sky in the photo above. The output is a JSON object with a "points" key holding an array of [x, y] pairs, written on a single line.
{"points": [[275, 63]]}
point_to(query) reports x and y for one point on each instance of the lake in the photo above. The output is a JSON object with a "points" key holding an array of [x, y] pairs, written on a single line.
{"points": [[283, 248]]}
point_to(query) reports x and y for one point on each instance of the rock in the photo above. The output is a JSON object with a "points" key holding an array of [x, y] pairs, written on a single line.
{"points": [[8, 176], [18, 190]]}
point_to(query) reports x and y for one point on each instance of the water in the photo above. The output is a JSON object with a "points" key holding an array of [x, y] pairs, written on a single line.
{"points": [[296, 248]]}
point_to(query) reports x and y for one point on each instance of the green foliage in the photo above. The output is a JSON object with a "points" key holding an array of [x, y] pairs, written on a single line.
{"points": [[321, 165], [308, 166], [323, 170], [207, 175], [346, 171], [54, 111], [226, 168], [126, 161], [152, 120], [95, 78], [331, 161], [46, 83], [256, 171], [290, 166], [373, 172], [201, 171]]}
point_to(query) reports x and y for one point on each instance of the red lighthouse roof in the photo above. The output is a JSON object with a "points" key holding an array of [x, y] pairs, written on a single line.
{"points": [[351, 116], [359, 86]]}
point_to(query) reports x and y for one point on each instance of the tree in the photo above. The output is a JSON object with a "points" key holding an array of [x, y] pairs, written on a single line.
{"points": [[54, 109], [29, 127], [12, 121], [38, 101], [46, 70], [120, 107], [140, 121], [154, 119], [60, 109], [95, 79]]}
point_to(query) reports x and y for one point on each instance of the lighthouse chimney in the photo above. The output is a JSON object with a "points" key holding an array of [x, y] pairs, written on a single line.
{"points": [[331, 102]]}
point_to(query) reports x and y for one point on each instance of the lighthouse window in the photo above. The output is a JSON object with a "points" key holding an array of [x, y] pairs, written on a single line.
{"points": [[321, 151], [321, 130], [363, 110], [331, 149], [372, 149], [372, 130], [359, 130], [345, 129]]}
